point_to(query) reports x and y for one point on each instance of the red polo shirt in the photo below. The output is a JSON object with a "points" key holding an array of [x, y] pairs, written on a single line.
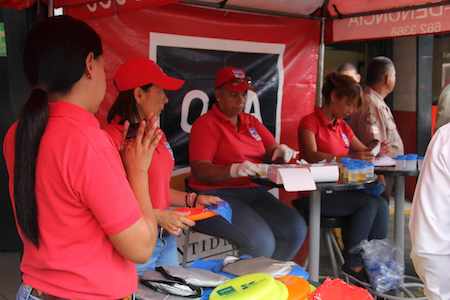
{"points": [[83, 196], [331, 137], [214, 138], [160, 170]]}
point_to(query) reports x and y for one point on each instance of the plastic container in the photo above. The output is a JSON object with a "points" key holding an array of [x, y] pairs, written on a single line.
{"points": [[411, 162], [352, 171], [400, 162], [419, 162], [370, 170]]}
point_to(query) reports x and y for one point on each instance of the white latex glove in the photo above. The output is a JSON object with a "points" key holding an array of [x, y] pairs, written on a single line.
{"points": [[244, 169], [284, 152]]}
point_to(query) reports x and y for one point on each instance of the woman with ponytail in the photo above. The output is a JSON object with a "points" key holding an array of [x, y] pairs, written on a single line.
{"points": [[324, 135], [82, 224]]}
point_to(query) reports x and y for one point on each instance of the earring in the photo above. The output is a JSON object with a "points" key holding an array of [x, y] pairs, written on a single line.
{"points": [[88, 75]]}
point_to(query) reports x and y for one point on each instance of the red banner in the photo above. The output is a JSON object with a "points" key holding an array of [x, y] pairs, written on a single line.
{"points": [[16, 4], [176, 27], [395, 24], [346, 7], [86, 9]]}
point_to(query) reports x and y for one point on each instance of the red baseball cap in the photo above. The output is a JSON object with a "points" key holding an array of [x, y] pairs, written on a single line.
{"points": [[136, 72], [233, 79]]}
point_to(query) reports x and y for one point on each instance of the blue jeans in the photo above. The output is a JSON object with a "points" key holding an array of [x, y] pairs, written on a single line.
{"points": [[24, 293], [261, 224], [164, 254]]}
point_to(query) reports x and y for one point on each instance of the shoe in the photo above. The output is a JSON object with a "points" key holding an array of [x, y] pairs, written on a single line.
{"points": [[360, 278]]}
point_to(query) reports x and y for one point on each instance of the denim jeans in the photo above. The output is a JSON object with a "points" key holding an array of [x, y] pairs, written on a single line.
{"points": [[164, 254], [261, 224], [367, 218], [24, 293]]}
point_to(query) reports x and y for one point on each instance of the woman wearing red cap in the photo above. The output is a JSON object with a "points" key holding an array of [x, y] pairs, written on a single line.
{"points": [[81, 224], [141, 84], [226, 146]]}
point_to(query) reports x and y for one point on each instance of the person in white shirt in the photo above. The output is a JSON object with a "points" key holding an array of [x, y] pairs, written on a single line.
{"points": [[443, 116], [430, 219]]}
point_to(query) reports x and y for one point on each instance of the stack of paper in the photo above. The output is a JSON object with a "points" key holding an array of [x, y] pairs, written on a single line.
{"points": [[302, 177]]}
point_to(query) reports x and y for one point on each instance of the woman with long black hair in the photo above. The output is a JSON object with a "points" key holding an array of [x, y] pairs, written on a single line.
{"points": [[82, 224]]}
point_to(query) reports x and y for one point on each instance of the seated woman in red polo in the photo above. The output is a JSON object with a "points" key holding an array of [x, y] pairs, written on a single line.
{"points": [[324, 135], [225, 147], [141, 84]]}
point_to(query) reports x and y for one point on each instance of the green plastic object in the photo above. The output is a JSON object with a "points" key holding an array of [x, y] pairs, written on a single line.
{"points": [[257, 286]]}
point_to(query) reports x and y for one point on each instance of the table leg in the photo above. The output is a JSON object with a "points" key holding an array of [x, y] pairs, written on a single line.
{"points": [[314, 235], [399, 221]]}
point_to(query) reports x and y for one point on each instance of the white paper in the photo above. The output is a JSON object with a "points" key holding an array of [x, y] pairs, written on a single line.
{"points": [[324, 172], [297, 179], [384, 161]]}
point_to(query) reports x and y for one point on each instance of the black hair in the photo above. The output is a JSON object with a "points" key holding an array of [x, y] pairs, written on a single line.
{"points": [[342, 86], [54, 60], [378, 68], [125, 106], [346, 67]]}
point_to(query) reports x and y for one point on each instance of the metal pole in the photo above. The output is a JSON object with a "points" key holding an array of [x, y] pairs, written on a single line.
{"points": [[321, 64], [50, 11], [314, 235]]}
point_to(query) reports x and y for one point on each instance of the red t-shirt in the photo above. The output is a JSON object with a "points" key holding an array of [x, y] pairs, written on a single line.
{"points": [[160, 170], [332, 138], [214, 138], [83, 196]]}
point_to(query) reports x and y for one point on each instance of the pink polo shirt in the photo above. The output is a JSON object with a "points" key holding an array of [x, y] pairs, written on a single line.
{"points": [[83, 196], [214, 138], [332, 138], [160, 170]]}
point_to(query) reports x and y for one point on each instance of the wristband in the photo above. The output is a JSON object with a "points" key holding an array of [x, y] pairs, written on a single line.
{"points": [[187, 198]]}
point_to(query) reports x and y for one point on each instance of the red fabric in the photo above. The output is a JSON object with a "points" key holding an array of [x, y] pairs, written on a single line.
{"points": [[82, 197], [215, 139], [331, 138], [127, 35], [16, 4], [87, 9], [389, 25], [160, 170], [346, 7]]}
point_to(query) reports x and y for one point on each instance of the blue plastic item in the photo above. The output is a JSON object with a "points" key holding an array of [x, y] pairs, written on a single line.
{"points": [[385, 273], [411, 156], [223, 209]]}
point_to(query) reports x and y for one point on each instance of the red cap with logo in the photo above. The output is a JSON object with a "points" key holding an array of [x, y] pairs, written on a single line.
{"points": [[136, 72], [233, 79]]}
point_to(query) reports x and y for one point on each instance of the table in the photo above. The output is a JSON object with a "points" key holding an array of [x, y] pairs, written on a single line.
{"points": [[399, 218], [315, 213], [314, 218]]}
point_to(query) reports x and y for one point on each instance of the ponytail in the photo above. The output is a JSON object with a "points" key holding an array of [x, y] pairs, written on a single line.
{"points": [[30, 128]]}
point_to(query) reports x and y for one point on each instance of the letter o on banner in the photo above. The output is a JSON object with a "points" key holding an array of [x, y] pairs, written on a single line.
{"points": [[187, 100]]}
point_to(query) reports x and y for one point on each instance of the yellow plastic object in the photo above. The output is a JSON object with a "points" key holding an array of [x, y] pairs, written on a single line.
{"points": [[298, 288], [257, 286]]}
